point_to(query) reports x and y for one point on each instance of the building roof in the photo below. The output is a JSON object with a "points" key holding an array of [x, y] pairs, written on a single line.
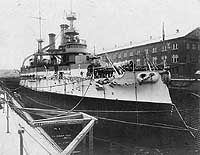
{"points": [[176, 35]]}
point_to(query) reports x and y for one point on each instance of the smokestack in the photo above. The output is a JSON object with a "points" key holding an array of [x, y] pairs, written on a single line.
{"points": [[63, 28], [52, 41]]}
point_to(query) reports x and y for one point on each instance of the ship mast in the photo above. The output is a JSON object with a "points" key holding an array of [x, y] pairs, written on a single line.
{"points": [[71, 17], [40, 40], [163, 43]]}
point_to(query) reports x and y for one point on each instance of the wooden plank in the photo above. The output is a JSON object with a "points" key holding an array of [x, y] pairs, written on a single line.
{"points": [[71, 147], [84, 142], [49, 111], [88, 116], [73, 116], [91, 142], [56, 122]]}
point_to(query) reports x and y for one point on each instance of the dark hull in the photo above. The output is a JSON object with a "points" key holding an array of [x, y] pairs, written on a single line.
{"points": [[149, 126]]}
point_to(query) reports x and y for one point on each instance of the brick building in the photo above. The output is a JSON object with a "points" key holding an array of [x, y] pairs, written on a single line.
{"points": [[180, 51]]}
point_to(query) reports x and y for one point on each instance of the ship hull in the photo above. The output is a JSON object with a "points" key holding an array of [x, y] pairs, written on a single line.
{"points": [[126, 131], [125, 119]]}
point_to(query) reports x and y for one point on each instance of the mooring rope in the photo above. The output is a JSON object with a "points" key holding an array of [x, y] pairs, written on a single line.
{"points": [[132, 111], [40, 103], [82, 97], [195, 95], [183, 120], [144, 124]]}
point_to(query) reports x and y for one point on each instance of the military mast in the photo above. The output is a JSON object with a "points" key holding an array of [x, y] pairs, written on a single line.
{"points": [[40, 40]]}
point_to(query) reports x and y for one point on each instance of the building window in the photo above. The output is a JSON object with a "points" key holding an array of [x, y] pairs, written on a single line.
{"points": [[164, 48], [174, 46], [175, 58], [146, 51], [193, 58], [187, 46], [199, 47], [138, 52], [145, 62], [194, 46], [168, 46], [155, 60], [138, 62], [188, 58], [164, 58], [131, 53], [125, 55], [154, 50], [119, 55]]}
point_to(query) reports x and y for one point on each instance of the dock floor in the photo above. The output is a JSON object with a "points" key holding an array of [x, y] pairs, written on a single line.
{"points": [[33, 142]]}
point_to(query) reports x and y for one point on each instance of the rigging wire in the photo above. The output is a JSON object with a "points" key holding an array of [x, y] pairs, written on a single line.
{"points": [[183, 120], [110, 111], [43, 104], [144, 124], [82, 97], [134, 111]]}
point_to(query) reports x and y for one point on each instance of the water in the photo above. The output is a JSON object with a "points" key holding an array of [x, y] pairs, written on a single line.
{"points": [[116, 144]]}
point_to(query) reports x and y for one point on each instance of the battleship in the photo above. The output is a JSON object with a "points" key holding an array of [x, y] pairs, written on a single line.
{"points": [[72, 79]]}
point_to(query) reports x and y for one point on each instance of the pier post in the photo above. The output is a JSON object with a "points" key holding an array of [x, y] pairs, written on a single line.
{"points": [[2, 96], [91, 145], [3, 105], [84, 141], [7, 117], [198, 125], [20, 132], [7, 113], [196, 118]]}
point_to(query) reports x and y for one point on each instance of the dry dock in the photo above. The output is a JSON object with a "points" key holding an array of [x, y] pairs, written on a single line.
{"points": [[20, 134]]}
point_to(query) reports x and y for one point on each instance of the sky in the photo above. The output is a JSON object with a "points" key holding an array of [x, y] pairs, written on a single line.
{"points": [[103, 23]]}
